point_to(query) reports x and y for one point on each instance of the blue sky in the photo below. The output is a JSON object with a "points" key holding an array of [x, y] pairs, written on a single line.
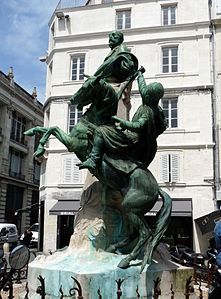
{"points": [[23, 39]]}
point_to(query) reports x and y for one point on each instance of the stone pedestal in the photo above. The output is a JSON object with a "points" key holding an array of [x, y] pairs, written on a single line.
{"points": [[98, 270], [97, 225]]}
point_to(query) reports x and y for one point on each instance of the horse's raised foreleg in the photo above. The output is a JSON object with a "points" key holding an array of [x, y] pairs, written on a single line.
{"points": [[33, 131], [59, 134]]}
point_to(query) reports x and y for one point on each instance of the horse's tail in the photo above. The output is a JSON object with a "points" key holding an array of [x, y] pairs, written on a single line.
{"points": [[162, 223]]}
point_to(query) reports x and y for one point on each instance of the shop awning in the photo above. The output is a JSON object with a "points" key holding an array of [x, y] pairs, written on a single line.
{"points": [[180, 207], [65, 207], [207, 222]]}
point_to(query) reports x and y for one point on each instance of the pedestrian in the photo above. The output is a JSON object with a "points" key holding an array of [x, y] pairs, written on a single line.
{"points": [[27, 237]]}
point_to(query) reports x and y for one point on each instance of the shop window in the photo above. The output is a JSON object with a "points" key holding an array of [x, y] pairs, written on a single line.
{"points": [[123, 19], [14, 201], [169, 107]]}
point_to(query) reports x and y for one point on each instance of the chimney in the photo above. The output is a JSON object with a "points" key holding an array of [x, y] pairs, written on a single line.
{"points": [[11, 76], [34, 93]]}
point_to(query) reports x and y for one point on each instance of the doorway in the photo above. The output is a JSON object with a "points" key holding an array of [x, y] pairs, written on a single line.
{"points": [[65, 230]]}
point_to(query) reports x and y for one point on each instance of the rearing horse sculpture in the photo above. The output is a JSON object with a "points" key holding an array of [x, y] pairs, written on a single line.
{"points": [[139, 188]]}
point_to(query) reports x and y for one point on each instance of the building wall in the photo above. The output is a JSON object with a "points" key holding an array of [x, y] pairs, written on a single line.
{"points": [[86, 31], [215, 14], [15, 102]]}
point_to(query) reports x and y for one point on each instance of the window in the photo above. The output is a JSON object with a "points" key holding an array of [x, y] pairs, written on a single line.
{"points": [[15, 160], [74, 116], [170, 168], [77, 71], [14, 201], [18, 128], [123, 19], [169, 15], [71, 174], [107, 1], [218, 6], [37, 171], [170, 59], [169, 107]]}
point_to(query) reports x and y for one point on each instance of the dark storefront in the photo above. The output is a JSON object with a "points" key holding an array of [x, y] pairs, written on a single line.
{"points": [[66, 211], [14, 202], [180, 230]]}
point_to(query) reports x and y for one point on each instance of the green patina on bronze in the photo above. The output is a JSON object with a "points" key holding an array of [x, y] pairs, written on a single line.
{"points": [[117, 151]]}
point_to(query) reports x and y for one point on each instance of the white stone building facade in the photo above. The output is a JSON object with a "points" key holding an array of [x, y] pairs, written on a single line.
{"points": [[172, 40], [215, 16]]}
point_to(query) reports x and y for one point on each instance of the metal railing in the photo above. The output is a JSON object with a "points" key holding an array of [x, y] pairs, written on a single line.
{"points": [[18, 276], [16, 175], [78, 293], [192, 284]]}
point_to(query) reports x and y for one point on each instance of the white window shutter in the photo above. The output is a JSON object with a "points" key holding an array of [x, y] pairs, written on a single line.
{"points": [[76, 171], [67, 169], [72, 174], [165, 168], [174, 167]]}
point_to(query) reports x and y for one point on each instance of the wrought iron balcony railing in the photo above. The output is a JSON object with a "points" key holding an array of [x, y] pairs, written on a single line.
{"points": [[16, 175]]}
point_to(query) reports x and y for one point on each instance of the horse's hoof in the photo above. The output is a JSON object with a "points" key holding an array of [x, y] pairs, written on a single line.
{"points": [[124, 264], [39, 152], [30, 132], [111, 249]]}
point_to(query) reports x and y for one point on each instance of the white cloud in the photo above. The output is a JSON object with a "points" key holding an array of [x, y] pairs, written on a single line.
{"points": [[24, 37], [27, 23]]}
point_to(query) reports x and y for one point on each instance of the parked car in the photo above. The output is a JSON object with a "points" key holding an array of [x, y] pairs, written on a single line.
{"points": [[34, 229], [8, 234], [185, 256]]}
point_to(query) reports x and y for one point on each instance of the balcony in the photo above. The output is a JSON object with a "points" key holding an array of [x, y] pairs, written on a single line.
{"points": [[16, 175], [36, 181], [19, 140], [70, 3]]}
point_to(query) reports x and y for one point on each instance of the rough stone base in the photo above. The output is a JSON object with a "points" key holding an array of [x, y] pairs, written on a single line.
{"points": [[98, 270]]}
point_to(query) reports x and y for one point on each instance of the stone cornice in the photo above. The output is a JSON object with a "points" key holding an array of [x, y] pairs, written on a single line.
{"points": [[178, 147], [216, 21], [133, 32], [136, 31], [19, 183], [96, 6], [15, 94], [168, 91]]}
